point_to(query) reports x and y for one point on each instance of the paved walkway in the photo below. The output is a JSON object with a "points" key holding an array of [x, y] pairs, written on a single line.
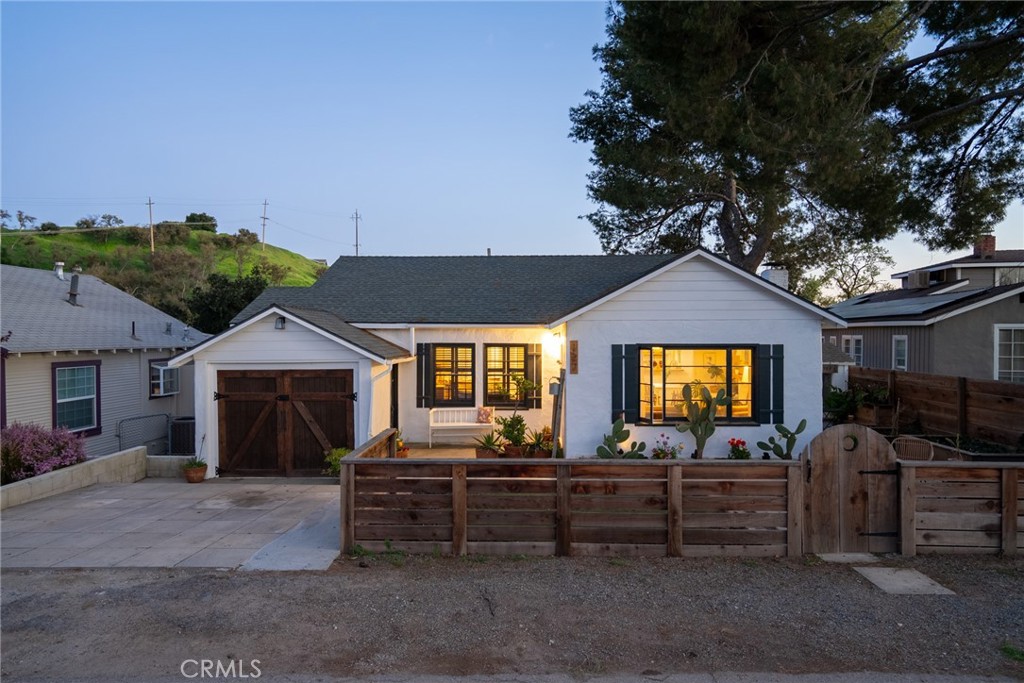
{"points": [[168, 523]]}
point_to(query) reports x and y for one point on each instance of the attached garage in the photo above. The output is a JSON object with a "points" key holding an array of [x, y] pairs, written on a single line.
{"points": [[275, 393], [281, 422]]}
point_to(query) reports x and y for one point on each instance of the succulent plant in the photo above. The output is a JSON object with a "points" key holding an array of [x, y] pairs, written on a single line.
{"points": [[610, 448], [775, 446], [701, 415]]}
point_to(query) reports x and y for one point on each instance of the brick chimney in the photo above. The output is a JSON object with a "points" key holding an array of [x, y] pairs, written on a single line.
{"points": [[985, 246]]}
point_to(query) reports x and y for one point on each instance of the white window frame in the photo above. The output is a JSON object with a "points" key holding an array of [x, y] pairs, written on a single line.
{"points": [[996, 329], [849, 341], [1012, 275], [906, 351], [163, 381]]}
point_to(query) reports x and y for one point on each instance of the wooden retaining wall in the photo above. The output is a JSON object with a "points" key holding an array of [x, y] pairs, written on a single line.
{"points": [[565, 507], [981, 409], [948, 507]]}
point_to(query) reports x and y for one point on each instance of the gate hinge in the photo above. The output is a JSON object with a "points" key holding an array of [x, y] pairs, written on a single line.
{"points": [[891, 472], [218, 396], [283, 397], [885, 534], [354, 396]]}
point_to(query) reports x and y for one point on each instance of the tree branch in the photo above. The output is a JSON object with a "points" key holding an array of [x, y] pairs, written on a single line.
{"points": [[962, 47], [1002, 94]]}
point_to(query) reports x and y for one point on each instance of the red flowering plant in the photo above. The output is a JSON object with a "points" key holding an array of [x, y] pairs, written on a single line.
{"points": [[738, 450]]}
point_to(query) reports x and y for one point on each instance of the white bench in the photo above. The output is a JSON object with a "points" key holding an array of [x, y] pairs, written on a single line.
{"points": [[445, 419]]}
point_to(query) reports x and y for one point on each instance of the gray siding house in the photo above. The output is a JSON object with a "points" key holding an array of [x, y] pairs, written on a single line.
{"points": [[80, 353], [963, 317]]}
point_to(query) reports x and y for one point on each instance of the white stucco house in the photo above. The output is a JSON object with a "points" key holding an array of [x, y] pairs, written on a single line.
{"points": [[379, 341], [79, 353]]}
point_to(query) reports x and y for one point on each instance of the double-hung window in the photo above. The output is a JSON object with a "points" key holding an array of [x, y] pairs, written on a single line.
{"points": [[505, 366], [1009, 358], [76, 397], [666, 370], [899, 352]]}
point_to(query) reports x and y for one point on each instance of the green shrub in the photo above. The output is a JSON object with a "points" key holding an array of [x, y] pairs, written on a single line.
{"points": [[332, 461]]}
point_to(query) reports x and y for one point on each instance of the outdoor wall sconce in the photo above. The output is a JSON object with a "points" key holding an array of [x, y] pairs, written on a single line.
{"points": [[279, 323]]}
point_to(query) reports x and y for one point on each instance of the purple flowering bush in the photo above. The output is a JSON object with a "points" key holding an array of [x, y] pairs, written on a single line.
{"points": [[30, 450]]}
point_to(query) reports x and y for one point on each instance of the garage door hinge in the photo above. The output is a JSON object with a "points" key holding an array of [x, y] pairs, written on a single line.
{"points": [[354, 396], [218, 396]]}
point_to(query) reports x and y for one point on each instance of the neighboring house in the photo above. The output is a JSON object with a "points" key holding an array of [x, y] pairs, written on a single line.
{"points": [[949, 319], [80, 353], [986, 267], [379, 341]]}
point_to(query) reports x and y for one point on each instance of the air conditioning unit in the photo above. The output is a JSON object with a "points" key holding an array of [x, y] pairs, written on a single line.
{"points": [[183, 436]]}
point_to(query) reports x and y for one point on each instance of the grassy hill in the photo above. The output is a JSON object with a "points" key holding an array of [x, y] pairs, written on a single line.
{"points": [[36, 249], [182, 266]]}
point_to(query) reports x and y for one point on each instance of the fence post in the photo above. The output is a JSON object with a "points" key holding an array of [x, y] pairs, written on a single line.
{"points": [[794, 511], [1009, 511], [675, 510], [908, 509], [563, 514], [348, 507], [459, 541], [961, 406]]}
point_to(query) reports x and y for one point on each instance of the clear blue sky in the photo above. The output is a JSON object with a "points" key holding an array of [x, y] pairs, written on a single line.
{"points": [[445, 124]]}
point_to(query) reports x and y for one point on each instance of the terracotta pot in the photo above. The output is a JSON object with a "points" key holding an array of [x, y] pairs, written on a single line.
{"points": [[513, 451], [540, 453], [195, 475], [402, 452], [485, 453]]}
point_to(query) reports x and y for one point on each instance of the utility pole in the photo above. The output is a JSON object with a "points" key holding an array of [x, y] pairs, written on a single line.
{"points": [[152, 242], [356, 218], [264, 225]]}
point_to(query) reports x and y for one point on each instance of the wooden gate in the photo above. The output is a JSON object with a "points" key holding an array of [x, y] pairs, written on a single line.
{"points": [[852, 501], [281, 422]]}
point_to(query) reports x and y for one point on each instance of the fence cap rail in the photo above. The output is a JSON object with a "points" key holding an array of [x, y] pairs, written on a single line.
{"points": [[581, 461], [962, 465]]}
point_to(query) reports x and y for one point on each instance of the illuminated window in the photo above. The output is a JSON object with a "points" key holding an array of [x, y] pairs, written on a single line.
{"points": [[504, 364], [666, 370], [453, 374]]}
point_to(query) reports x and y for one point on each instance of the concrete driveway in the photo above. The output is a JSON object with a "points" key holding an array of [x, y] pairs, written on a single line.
{"points": [[247, 524]]}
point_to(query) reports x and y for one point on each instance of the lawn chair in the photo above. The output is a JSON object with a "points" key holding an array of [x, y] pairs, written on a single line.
{"points": [[913, 448]]}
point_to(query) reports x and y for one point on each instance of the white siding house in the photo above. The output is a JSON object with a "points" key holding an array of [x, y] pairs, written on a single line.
{"points": [[408, 334]]}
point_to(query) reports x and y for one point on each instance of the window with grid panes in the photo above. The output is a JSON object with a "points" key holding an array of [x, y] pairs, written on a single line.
{"points": [[76, 389], [502, 365], [665, 370], [1010, 353], [453, 374]]}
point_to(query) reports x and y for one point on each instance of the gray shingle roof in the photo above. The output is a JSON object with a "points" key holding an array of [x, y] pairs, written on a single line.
{"points": [[1000, 257], [34, 308], [833, 355], [361, 338], [471, 290], [915, 304]]}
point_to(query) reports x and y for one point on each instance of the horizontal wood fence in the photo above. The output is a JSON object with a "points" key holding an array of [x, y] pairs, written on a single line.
{"points": [[565, 507], [981, 409], [961, 507]]}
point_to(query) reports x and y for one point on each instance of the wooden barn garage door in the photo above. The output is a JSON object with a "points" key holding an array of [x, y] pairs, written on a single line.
{"points": [[280, 422]]}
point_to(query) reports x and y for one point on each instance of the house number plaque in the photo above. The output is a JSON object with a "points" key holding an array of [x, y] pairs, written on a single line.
{"points": [[574, 356]]}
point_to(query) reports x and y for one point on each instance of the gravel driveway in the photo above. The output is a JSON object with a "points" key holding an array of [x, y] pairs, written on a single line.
{"points": [[473, 616]]}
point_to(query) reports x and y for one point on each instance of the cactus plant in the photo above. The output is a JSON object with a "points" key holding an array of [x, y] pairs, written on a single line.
{"points": [[701, 415], [610, 447], [776, 446]]}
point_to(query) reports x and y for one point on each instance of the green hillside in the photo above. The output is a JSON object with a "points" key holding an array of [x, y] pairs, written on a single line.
{"points": [[184, 265]]}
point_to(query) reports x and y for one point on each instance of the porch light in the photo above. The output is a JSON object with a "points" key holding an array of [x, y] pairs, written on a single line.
{"points": [[552, 343], [279, 323]]}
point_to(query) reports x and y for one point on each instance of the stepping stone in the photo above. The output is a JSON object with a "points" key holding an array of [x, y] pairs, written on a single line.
{"points": [[902, 581], [849, 558]]}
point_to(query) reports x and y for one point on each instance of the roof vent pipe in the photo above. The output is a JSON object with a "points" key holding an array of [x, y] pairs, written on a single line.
{"points": [[73, 294], [58, 268], [167, 330]]}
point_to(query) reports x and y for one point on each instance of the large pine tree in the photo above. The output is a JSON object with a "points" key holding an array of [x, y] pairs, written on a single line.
{"points": [[776, 129]]}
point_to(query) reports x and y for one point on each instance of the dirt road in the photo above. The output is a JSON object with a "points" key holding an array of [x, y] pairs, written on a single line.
{"points": [[584, 617]]}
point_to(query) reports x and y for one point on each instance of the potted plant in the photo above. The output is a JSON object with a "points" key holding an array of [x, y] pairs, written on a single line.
{"points": [[401, 450], [538, 444], [663, 449], [512, 430], [738, 450], [489, 445], [194, 469]]}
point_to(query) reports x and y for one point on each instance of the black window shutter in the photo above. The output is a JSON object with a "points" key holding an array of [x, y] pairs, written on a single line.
{"points": [[533, 373], [631, 375], [617, 360], [763, 383], [424, 377], [769, 374], [777, 377]]}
